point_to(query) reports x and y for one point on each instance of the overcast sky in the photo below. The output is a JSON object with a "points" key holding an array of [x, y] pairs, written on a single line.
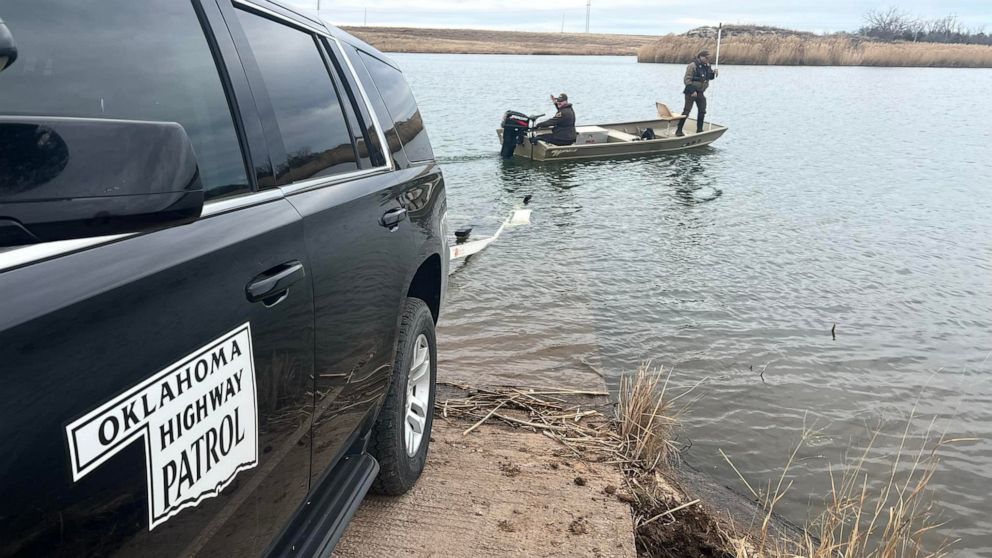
{"points": [[650, 17]]}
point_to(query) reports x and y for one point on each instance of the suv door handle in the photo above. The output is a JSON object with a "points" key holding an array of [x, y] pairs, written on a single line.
{"points": [[391, 219], [275, 281]]}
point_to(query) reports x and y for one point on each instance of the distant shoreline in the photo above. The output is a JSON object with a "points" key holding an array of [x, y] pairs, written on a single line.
{"points": [[478, 41], [770, 50]]}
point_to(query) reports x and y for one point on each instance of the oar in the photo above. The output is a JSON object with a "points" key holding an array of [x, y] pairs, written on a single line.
{"points": [[719, 35]]}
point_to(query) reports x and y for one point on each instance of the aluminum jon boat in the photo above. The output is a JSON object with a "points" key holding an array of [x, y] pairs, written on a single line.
{"points": [[614, 140]]}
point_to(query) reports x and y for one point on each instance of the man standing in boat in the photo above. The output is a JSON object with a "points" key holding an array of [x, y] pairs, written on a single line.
{"points": [[697, 78], [562, 125]]}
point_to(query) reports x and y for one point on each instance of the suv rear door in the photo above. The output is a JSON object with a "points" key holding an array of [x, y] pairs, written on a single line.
{"points": [[156, 388]]}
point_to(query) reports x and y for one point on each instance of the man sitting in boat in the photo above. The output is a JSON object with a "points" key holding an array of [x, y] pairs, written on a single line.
{"points": [[562, 125], [697, 78]]}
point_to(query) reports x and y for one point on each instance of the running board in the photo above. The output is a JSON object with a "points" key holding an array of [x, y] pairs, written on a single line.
{"points": [[325, 516]]}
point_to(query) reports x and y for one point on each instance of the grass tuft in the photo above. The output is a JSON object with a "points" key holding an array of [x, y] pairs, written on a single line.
{"points": [[646, 419]]}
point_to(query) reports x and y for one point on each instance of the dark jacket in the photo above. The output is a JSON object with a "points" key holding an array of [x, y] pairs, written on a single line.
{"points": [[697, 76], [562, 125]]}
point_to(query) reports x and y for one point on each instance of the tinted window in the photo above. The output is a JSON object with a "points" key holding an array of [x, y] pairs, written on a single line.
{"points": [[312, 125], [122, 59], [366, 137], [402, 108], [394, 146]]}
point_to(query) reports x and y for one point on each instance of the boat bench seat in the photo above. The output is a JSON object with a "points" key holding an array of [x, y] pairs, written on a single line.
{"points": [[590, 135], [622, 136]]}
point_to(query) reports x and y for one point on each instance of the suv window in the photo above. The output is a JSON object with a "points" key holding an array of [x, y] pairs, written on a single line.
{"points": [[361, 123], [307, 110], [402, 108], [393, 146], [122, 59]]}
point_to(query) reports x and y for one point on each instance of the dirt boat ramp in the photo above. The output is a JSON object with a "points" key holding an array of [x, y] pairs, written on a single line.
{"points": [[497, 491]]}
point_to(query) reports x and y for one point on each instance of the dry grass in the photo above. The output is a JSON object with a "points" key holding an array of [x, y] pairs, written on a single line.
{"points": [[647, 418], [585, 431], [477, 41], [895, 520], [640, 436], [818, 51]]}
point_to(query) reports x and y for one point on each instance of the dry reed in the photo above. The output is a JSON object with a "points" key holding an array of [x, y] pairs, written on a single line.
{"points": [[640, 436], [647, 418], [867, 514], [584, 430], [896, 520], [818, 51]]}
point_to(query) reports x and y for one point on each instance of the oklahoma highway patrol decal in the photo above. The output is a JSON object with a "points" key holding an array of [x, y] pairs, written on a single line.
{"points": [[198, 419]]}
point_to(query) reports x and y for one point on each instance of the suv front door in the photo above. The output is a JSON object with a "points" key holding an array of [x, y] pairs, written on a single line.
{"points": [[361, 263], [157, 388]]}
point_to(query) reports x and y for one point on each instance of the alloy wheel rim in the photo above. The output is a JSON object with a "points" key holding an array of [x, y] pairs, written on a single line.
{"points": [[418, 391]]}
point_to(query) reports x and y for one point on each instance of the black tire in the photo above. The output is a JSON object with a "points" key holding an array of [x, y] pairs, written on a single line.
{"points": [[398, 471]]}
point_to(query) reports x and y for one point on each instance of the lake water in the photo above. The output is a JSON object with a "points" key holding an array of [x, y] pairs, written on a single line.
{"points": [[851, 196]]}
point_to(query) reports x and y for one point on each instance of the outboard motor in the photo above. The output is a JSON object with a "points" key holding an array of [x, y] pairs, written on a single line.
{"points": [[515, 126]]}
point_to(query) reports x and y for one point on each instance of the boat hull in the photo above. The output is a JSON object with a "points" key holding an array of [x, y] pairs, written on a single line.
{"points": [[621, 139]]}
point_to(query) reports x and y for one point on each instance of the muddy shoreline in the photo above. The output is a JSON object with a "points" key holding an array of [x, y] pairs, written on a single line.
{"points": [[510, 483]]}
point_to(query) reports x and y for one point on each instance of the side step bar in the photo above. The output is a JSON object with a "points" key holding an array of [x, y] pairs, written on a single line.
{"points": [[316, 530]]}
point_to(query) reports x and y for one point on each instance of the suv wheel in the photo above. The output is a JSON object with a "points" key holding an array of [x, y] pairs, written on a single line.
{"points": [[402, 432]]}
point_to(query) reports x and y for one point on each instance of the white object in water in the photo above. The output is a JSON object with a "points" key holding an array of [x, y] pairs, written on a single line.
{"points": [[517, 217]]}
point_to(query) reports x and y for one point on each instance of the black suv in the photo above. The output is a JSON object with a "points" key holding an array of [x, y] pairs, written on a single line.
{"points": [[222, 250]]}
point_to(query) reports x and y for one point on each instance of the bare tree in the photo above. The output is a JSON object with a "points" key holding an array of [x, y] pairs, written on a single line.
{"points": [[917, 29], [890, 24], [946, 29], [886, 24]]}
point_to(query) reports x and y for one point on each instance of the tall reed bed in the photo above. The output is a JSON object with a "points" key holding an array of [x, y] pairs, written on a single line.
{"points": [[818, 51]]}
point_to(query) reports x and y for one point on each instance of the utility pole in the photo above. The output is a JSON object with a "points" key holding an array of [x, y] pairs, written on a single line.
{"points": [[365, 19], [318, 6], [588, 10], [563, 22]]}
